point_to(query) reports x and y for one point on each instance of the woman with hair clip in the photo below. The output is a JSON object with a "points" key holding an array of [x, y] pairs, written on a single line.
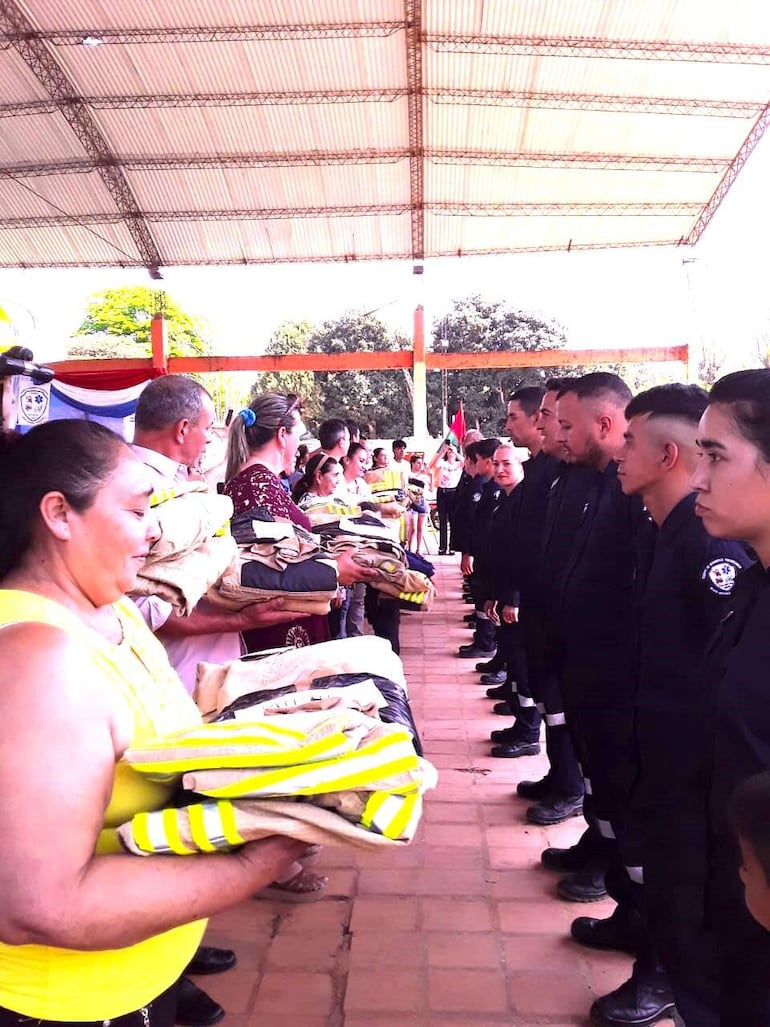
{"points": [[89, 933], [320, 480], [263, 441], [732, 483]]}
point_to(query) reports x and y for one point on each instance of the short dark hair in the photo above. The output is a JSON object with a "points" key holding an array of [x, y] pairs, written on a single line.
{"points": [[331, 432], [73, 457], [169, 399], [684, 402], [750, 816], [471, 450], [353, 427], [485, 448], [556, 384], [747, 393], [398, 444], [598, 384], [529, 397]]}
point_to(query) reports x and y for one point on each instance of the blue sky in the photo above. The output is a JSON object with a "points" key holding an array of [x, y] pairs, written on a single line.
{"points": [[621, 297]]}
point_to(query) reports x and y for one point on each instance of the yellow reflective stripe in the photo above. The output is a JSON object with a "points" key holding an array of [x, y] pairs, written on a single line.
{"points": [[348, 773], [313, 752], [173, 837], [229, 827], [198, 828], [401, 820], [372, 808], [141, 833], [163, 496]]}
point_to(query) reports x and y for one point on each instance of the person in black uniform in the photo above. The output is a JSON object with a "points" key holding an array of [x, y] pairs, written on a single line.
{"points": [[515, 562], [685, 596], [559, 795], [502, 601], [732, 481], [483, 498], [595, 611]]}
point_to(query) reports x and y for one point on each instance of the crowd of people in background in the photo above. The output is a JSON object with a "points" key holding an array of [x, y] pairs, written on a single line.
{"points": [[615, 552]]}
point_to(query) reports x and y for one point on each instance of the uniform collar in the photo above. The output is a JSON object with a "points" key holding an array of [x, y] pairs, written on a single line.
{"points": [[161, 463], [682, 512]]}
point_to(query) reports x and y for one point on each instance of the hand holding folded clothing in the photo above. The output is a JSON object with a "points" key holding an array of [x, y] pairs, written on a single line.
{"points": [[349, 571], [262, 615]]}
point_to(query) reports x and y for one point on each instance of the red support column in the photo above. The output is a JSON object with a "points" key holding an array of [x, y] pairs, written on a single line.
{"points": [[420, 429], [159, 339]]}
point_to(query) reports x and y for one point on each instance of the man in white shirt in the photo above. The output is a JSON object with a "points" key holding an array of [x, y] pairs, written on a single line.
{"points": [[173, 426]]}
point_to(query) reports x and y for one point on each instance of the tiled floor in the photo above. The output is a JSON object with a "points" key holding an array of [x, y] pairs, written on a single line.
{"points": [[461, 928]]}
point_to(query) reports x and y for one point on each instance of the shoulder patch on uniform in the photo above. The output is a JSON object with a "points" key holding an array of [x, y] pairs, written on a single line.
{"points": [[476, 497], [720, 575]]}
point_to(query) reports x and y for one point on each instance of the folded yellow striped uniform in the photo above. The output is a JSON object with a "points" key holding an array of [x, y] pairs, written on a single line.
{"points": [[260, 743], [381, 821]]}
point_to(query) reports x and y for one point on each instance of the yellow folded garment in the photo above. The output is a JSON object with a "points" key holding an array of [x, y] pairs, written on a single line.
{"points": [[385, 822], [303, 738], [385, 761]]}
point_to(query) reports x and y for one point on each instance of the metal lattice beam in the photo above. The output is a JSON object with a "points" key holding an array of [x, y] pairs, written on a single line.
{"points": [[536, 46], [52, 77], [365, 210], [708, 212], [336, 258], [218, 33], [415, 85], [582, 46], [702, 106], [316, 158]]}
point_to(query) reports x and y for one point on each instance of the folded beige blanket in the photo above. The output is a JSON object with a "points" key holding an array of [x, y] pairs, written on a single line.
{"points": [[219, 684], [183, 580]]}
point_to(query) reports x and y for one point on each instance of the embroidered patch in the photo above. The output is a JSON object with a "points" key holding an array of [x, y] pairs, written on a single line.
{"points": [[720, 576], [476, 497]]}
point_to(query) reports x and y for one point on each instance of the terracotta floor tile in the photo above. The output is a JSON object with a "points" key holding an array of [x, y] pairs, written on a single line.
{"points": [[456, 915], [301, 993], [397, 914], [474, 991], [550, 994], [405, 949], [452, 949], [404, 991]]}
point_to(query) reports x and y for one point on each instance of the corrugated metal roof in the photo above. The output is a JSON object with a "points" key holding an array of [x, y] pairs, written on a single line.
{"points": [[193, 132]]}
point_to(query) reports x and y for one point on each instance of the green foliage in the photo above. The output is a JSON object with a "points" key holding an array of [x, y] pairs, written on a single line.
{"points": [[477, 325], [117, 324], [289, 338], [379, 400]]}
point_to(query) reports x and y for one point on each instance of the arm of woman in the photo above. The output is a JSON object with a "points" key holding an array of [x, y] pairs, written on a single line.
{"points": [[61, 739]]}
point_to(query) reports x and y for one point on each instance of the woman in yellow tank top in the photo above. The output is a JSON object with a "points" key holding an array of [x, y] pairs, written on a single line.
{"points": [[88, 933]]}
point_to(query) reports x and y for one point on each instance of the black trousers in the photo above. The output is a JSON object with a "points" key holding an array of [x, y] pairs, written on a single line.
{"points": [[384, 614], [564, 774], [668, 825], [445, 504], [510, 646], [161, 1012]]}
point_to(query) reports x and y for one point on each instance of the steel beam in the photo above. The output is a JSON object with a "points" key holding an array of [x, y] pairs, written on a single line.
{"points": [[388, 360], [218, 33], [581, 46], [567, 246], [315, 158], [52, 77], [538, 99], [362, 210], [747, 147], [415, 85]]}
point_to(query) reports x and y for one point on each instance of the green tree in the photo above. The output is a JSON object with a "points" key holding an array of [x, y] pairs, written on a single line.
{"points": [[117, 324], [290, 338], [477, 325], [380, 400]]}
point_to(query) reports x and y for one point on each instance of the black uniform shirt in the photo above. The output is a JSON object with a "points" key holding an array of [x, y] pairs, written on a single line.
{"points": [[688, 592], [528, 524], [600, 596], [460, 522], [485, 497], [739, 673]]}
